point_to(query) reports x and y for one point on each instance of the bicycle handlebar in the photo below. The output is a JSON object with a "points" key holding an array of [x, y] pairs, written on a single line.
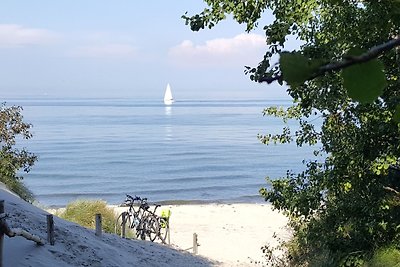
{"points": [[130, 199], [143, 202]]}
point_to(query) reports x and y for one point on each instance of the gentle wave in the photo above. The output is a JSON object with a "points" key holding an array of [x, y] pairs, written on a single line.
{"points": [[191, 151]]}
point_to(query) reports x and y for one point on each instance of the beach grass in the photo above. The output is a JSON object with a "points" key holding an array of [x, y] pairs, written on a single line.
{"points": [[83, 213]]}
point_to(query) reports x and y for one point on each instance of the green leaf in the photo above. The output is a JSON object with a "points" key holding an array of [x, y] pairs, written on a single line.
{"points": [[347, 187], [364, 82], [396, 115], [296, 68]]}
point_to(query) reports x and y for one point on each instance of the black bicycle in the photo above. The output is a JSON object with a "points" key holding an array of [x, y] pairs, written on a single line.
{"points": [[141, 222], [129, 221], [156, 226]]}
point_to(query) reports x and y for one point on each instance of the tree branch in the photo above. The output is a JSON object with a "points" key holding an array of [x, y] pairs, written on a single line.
{"points": [[347, 61], [387, 188]]}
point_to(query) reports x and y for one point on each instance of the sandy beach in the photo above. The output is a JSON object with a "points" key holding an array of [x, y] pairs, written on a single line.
{"points": [[228, 235], [231, 234]]}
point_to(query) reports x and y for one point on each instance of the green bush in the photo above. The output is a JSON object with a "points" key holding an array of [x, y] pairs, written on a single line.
{"points": [[14, 160], [83, 212], [18, 187], [385, 257]]}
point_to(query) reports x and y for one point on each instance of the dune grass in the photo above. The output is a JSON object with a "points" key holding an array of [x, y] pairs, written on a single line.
{"points": [[83, 213]]}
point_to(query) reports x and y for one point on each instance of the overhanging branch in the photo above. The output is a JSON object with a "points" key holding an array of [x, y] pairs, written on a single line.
{"points": [[374, 52], [387, 188]]}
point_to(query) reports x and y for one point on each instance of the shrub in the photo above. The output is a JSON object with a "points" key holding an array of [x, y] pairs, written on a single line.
{"points": [[385, 257], [83, 212], [13, 159], [18, 187]]}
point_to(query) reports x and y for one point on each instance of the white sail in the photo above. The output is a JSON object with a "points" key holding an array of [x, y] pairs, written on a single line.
{"points": [[168, 99]]}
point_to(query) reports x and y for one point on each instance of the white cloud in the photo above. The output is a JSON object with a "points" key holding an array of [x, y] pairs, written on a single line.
{"points": [[105, 51], [13, 35], [241, 49]]}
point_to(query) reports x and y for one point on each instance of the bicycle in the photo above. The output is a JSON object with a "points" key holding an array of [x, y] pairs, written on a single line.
{"points": [[144, 222], [131, 219], [156, 226]]}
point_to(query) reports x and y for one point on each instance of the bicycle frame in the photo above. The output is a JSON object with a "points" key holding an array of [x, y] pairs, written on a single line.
{"points": [[144, 221]]}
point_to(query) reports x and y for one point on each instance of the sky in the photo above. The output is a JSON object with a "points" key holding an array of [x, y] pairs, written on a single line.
{"points": [[125, 49]]}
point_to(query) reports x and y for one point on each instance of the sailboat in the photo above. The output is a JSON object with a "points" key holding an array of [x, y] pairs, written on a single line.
{"points": [[168, 99]]}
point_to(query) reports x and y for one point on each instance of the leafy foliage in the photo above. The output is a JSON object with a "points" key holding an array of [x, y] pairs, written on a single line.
{"points": [[13, 159], [385, 257], [296, 68], [364, 82], [345, 206]]}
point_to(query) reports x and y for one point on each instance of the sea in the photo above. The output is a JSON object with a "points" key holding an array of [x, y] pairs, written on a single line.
{"points": [[195, 151]]}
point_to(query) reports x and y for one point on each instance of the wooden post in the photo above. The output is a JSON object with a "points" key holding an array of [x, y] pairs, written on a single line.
{"points": [[195, 249], [168, 233], [98, 224], [50, 229], [1, 233], [123, 224]]}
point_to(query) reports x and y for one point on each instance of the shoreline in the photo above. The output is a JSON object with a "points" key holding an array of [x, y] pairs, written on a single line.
{"points": [[162, 202]]}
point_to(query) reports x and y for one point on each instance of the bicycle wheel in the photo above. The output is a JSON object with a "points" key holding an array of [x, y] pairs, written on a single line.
{"points": [[141, 229], [164, 227], [128, 225], [152, 227]]}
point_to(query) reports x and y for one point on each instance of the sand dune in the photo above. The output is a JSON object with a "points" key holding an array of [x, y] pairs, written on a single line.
{"points": [[228, 234]]}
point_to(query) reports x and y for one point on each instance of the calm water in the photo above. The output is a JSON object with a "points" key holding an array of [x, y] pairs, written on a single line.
{"points": [[192, 151]]}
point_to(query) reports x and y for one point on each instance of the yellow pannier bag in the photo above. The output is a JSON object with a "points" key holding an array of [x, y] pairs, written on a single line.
{"points": [[166, 214]]}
